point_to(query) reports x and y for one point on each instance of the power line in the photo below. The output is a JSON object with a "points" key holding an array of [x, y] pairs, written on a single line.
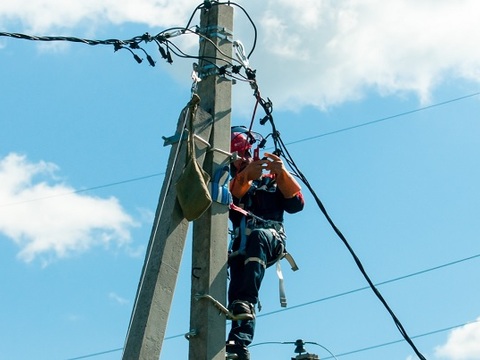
{"points": [[377, 284], [401, 340], [455, 262], [289, 143], [84, 190], [95, 354], [385, 118], [368, 348], [162, 40], [295, 343]]}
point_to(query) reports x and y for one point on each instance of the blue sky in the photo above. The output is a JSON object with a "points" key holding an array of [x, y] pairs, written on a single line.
{"points": [[82, 162]]}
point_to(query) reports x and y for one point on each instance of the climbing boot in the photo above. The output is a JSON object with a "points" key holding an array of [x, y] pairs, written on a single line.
{"points": [[236, 351], [242, 310]]}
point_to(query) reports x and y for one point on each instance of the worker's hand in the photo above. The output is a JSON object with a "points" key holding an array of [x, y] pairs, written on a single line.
{"points": [[254, 170], [248, 170], [286, 182], [274, 164]]}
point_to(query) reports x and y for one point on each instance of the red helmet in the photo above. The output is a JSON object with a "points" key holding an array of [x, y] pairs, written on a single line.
{"points": [[239, 142], [243, 139]]}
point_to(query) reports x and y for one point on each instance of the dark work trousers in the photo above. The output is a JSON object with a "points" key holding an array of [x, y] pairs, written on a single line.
{"points": [[246, 275]]}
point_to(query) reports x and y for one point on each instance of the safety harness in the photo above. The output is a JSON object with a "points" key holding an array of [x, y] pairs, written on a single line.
{"points": [[276, 228], [221, 193]]}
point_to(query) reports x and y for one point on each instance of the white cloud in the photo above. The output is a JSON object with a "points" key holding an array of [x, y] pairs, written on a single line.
{"points": [[117, 298], [311, 52], [46, 225], [327, 52], [48, 15], [462, 343]]}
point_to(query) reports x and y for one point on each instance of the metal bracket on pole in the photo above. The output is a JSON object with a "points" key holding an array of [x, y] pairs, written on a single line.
{"points": [[175, 138], [220, 307], [212, 70], [216, 31], [191, 334]]}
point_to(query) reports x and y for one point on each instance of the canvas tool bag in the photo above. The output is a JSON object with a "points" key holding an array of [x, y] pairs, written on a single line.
{"points": [[192, 189]]}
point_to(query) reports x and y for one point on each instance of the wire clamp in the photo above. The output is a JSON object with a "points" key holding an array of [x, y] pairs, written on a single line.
{"points": [[216, 32], [195, 78], [192, 333]]}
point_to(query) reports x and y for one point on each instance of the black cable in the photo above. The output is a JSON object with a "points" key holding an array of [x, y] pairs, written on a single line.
{"points": [[324, 358], [281, 150], [409, 112], [229, 3], [359, 264], [160, 38], [251, 22], [71, 39], [349, 292], [294, 343]]}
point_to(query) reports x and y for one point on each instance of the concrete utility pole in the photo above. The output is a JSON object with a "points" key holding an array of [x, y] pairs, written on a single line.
{"points": [[160, 271], [164, 253], [209, 259]]}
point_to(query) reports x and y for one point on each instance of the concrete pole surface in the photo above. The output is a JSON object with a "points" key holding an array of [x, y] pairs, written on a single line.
{"points": [[210, 232], [162, 261]]}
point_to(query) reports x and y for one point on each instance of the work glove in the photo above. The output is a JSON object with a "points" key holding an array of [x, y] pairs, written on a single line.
{"points": [[287, 184], [243, 180]]}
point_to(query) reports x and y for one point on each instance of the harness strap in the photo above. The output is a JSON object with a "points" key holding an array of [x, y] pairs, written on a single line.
{"points": [[281, 286], [284, 254], [291, 261], [243, 234], [255, 259]]}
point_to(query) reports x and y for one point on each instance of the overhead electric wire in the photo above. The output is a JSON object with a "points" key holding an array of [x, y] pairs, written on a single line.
{"points": [[161, 38], [400, 340], [357, 261], [403, 277], [451, 263], [70, 39], [133, 44], [121, 182], [229, 3], [368, 123], [281, 150], [368, 348], [386, 118], [293, 343]]}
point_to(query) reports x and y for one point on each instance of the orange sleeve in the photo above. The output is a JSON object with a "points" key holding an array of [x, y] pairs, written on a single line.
{"points": [[288, 185], [240, 185]]}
